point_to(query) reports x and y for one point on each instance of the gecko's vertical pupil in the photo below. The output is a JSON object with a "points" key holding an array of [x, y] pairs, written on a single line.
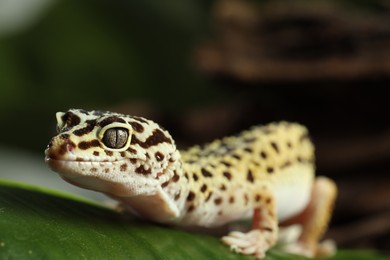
{"points": [[116, 137]]}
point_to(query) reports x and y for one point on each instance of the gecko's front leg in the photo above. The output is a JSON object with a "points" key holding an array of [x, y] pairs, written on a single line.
{"points": [[263, 234]]}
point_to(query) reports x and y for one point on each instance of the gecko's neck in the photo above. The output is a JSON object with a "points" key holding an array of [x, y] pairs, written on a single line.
{"points": [[168, 200], [176, 188]]}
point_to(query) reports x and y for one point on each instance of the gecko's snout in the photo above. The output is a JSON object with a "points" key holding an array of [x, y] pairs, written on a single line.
{"points": [[58, 148]]}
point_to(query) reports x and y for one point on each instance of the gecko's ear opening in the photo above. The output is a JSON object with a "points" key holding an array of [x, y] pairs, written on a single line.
{"points": [[60, 121]]}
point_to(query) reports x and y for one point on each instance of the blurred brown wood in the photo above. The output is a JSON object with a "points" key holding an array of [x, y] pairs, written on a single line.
{"points": [[324, 64], [362, 195], [285, 40], [353, 151], [354, 155], [364, 229]]}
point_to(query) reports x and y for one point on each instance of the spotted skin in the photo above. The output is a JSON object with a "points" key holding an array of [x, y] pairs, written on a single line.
{"points": [[265, 174]]}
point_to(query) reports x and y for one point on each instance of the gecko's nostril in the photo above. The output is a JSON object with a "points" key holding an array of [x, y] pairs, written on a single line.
{"points": [[69, 147]]}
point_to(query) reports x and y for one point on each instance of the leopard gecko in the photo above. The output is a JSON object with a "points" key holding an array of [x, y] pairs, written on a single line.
{"points": [[265, 174]]}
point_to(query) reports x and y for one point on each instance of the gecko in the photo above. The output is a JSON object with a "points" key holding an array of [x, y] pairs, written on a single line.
{"points": [[264, 174]]}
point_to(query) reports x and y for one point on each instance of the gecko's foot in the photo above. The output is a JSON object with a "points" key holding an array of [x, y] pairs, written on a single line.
{"points": [[325, 248], [252, 243], [298, 249]]}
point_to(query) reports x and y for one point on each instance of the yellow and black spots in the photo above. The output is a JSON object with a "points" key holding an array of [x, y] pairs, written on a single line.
{"points": [[238, 172], [206, 173], [109, 143], [159, 156], [90, 125], [67, 120], [265, 173], [156, 138], [250, 177], [137, 126], [86, 145]]}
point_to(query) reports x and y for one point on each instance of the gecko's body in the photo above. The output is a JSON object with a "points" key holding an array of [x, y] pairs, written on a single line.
{"points": [[265, 174]]}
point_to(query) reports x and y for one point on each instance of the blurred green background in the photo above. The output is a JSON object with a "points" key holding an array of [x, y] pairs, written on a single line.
{"points": [[205, 69], [94, 55]]}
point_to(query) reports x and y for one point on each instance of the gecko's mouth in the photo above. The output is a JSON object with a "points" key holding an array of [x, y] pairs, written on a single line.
{"points": [[84, 167], [52, 157], [69, 168], [78, 167], [101, 176], [50, 161], [118, 177]]}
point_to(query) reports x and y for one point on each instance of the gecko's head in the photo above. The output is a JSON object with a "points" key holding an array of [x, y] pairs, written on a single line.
{"points": [[110, 152]]}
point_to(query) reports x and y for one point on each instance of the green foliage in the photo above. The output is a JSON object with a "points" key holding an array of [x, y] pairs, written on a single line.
{"points": [[95, 55], [41, 224]]}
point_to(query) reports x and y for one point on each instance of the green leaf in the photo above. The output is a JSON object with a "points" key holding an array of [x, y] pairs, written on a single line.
{"points": [[37, 223]]}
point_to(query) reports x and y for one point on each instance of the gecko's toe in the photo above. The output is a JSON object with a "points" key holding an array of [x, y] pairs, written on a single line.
{"points": [[323, 249], [251, 243]]}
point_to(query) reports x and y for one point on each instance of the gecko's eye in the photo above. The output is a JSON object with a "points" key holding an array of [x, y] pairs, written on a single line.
{"points": [[116, 137]]}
